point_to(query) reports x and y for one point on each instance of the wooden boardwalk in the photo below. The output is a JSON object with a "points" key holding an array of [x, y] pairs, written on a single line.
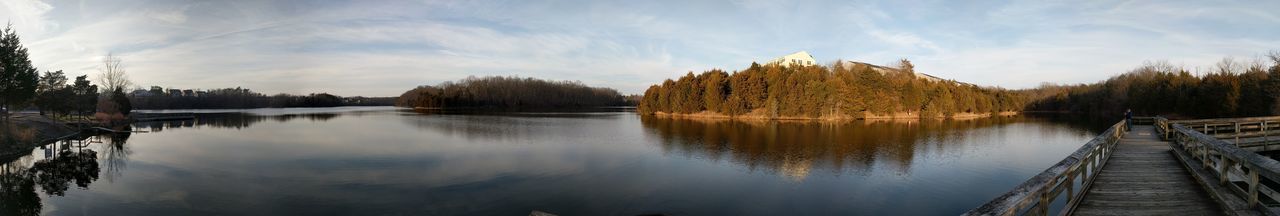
{"points": [[1143, 177]]}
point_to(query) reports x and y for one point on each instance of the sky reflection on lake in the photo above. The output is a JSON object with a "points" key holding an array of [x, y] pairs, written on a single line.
{"points": [[391, 161]]}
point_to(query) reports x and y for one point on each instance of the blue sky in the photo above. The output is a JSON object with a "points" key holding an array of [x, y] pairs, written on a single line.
{"points": [[381, 48]]}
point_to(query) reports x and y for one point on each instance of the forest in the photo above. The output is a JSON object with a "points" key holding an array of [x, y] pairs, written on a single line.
{"points": [[498, 92], [241, 98], [839, 91], [1230, 88]]}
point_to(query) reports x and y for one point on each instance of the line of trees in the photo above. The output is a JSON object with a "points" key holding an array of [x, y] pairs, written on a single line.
{"points": [[55, 97], [1231, 89], [21, 86], [510, 93], [839, 90], [241, 98]]}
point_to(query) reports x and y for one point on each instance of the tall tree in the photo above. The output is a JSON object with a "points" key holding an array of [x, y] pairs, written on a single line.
{"points": [[714, 95], [18, 79], [112, 74], [48, 91], [86, 96], [51, 81]]}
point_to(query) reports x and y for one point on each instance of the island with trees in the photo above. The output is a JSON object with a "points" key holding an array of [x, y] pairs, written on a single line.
{"points": [[843, 90], [852, 90], [510, 93]]}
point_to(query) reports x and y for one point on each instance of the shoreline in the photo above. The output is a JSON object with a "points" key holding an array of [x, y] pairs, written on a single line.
{"points": [[759, 116], [24, 131]]}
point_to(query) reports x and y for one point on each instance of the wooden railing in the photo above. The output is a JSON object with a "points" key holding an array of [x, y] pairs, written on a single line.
{"points": [[1251, 178], [1253, 133], [1037, 195], [1144, 120], [1244, 127]]}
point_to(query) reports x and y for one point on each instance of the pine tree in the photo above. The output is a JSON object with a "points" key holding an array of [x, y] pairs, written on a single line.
{"points": [[714, 83], [19, 77]]}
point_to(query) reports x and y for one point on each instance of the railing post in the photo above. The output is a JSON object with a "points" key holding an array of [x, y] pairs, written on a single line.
{"points": [[1253, 186], [1224, 169], [1237, 135], [1205, 156], [1071, 184], [1044, 201]]}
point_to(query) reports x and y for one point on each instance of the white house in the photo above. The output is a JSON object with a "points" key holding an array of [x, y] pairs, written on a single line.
{"points": [[801, 58]]}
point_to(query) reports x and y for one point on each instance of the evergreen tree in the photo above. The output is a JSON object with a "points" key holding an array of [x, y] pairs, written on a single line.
{"points": [[85, 97], [48, 97], [18, 79], [715, 92], [125, 107]]}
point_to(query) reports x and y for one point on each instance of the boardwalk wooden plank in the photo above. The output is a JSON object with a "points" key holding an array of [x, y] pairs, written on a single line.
{"points": [[1143, 177]]}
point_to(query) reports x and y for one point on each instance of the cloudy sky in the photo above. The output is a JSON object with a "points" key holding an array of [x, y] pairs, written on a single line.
{"points": [[381, 48]]}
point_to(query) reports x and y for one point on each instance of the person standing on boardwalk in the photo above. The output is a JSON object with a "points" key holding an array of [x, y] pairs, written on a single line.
{"points": [[1128, 119]]}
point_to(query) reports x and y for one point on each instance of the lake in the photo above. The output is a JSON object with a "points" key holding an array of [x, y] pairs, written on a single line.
{"points": [[389, 161]]}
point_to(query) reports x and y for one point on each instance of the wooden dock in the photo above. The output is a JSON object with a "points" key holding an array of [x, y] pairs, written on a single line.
{"points": [[1143, 177], [1158, 166]]}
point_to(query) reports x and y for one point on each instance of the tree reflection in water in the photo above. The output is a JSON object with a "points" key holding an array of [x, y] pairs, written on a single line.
{"points": [[63, 163], [796, 149], [237, 120]]}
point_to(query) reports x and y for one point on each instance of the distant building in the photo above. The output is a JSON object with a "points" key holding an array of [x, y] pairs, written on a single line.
{"points": [[801, 58], [175, 93], [140, 93], [883, 70]]}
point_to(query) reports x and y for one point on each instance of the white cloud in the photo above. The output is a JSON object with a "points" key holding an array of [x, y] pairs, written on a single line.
{"points": [[355, 48], [175, 16], [28, 16]]}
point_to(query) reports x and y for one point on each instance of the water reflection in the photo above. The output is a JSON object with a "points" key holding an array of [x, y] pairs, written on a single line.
{"points": [[796, 149], [236, 120], [397, 162], [61, 164]]}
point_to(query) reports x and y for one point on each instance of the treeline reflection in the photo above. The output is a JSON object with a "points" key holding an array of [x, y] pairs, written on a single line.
{"points": [[796, 149], [62, 164], [234, 120]]}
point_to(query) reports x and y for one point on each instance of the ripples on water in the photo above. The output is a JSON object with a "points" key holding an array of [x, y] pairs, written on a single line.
{"points": [[378, 161]]}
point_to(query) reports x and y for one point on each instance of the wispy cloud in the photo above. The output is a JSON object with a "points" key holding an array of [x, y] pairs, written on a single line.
{"points": [[385, 47]]}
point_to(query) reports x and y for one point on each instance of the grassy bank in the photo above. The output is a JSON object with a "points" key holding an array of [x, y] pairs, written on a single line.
{"points": [[22, 132]]}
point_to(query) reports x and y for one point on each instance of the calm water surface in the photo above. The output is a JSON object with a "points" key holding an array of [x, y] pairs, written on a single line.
{"points": [[385, 161]]}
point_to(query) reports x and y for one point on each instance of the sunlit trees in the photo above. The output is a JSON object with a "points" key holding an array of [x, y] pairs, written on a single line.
{"points": [[1231, 88], [715, 87], [17, 76], [842, 89]]}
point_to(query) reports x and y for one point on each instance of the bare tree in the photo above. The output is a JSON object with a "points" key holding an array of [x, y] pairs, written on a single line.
{"points": [[113, 75], [1229, 65]]}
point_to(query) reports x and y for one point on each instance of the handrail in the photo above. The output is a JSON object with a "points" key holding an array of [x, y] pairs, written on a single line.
{"points": [[1037, 194], [1221, 120], [1144, 120], [1229, 165]]}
